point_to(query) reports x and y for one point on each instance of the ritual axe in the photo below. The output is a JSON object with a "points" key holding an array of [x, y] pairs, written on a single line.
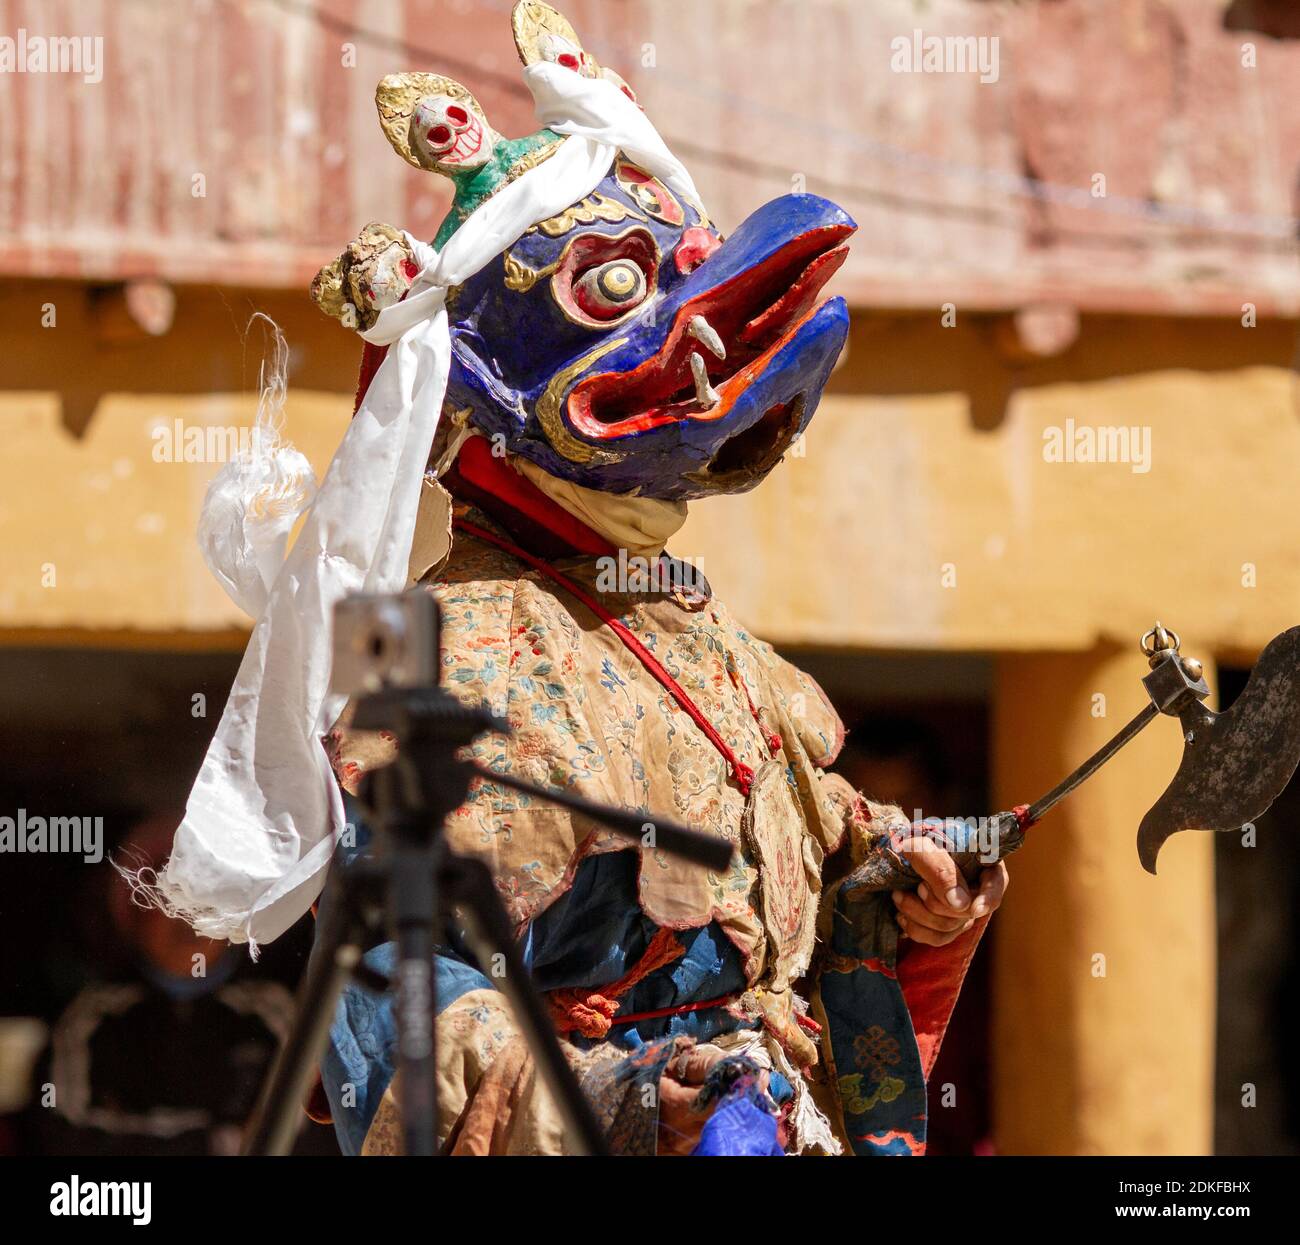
{"points": [[1234, 764]]}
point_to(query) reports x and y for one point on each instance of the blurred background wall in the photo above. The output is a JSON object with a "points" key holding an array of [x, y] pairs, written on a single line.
{"points": [[1093, 232]]}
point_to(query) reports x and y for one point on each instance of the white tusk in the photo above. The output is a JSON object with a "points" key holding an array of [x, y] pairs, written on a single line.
{"points": [[704, 332], [705, 394]]}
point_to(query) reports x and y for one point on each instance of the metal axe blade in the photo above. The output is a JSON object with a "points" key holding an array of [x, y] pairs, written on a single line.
{"points": [[1235, 763]]}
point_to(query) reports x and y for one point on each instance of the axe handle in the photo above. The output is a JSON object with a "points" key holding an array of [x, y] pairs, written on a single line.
{"points": [[1092, 764], [886, 868]]}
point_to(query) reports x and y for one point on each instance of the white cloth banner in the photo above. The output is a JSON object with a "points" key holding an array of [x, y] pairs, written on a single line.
{"points": [[262, 818]]}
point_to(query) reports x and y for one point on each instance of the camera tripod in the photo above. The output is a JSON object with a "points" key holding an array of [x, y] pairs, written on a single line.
{"points": [[409, 887]]}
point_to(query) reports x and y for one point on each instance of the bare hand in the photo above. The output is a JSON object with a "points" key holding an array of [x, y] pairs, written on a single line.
{"points": [[942, 908], [680, 1121]]}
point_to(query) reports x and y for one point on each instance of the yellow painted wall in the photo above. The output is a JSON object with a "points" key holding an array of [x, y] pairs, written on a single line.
{"points": [[847, 545]]}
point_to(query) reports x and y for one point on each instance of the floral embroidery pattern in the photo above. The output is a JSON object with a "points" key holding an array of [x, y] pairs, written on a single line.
{"points": [[585, 714]]}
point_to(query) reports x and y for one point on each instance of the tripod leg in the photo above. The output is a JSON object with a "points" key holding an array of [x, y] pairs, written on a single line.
{"points": [[469, 883], [412, 905], [337, 952]]}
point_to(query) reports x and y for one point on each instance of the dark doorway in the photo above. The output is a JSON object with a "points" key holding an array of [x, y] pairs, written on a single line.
{"points": [[1257, 889], [157, 1060]]}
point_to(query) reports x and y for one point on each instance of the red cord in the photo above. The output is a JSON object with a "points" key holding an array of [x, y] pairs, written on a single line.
{"points": [[660, 1012], [741, 772]]}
